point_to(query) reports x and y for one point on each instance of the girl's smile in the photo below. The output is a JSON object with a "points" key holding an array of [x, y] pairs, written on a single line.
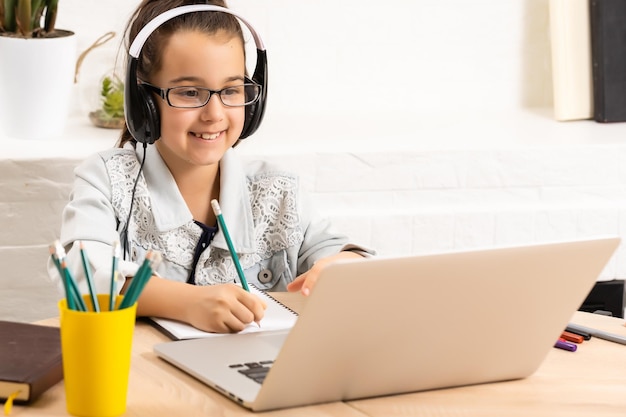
{"points": [[207, 136]]}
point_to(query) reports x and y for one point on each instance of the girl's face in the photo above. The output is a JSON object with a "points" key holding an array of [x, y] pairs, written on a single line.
{"points": [[199, 136]]}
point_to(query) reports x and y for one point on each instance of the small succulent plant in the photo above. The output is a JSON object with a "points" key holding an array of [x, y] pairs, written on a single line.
{"points": [[112, 95], [111, 111]]}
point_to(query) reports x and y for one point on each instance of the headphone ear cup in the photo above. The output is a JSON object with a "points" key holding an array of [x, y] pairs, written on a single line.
{"points": [[151, 126], [254, 116], [142, 113], [256, 110], [252, 121]]}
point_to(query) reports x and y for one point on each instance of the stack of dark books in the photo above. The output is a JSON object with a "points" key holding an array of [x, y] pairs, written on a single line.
{"points": [[608, 53]]}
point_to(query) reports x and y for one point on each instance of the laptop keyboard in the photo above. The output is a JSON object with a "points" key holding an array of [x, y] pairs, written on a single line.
{"points": [[253, 370]]}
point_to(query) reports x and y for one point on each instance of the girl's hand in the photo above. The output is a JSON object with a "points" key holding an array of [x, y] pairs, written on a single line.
{"points": [[225, 308], [305, 282]]}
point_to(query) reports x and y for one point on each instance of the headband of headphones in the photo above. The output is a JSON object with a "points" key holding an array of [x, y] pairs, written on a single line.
{"points": [[140, 109]]}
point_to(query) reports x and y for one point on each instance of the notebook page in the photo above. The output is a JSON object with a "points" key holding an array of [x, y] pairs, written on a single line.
{"points": [[277, 317]]}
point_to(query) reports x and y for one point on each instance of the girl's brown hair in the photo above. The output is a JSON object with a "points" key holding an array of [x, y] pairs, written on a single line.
{"points": [[150, 57]]}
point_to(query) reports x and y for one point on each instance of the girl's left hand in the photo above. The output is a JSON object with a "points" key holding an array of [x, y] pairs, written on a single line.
{"points": [[305, 282]]}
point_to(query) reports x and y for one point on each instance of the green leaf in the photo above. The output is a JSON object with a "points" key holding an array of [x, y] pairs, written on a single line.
{"points": [[112, 94], [51, 15], [8, 21], [23, 17]]}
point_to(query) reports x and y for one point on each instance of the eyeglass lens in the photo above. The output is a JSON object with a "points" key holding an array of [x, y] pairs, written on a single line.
{"points": [[239, 95]]}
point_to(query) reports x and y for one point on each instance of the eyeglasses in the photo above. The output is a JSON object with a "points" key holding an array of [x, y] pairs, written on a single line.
{"points": [[188, 97]]}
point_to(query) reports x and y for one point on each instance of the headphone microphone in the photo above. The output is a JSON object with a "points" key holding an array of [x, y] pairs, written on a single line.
{"points": [[140, 109]]}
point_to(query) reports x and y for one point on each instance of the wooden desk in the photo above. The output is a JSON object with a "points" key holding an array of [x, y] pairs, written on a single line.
{"points": [[588, 382], [156, 388]]}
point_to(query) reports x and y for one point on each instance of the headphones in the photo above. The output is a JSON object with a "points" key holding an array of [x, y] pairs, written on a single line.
{"points": [[141, 111]]}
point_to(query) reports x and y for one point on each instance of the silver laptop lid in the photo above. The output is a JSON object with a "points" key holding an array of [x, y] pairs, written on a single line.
{"points": [[388, 326]]}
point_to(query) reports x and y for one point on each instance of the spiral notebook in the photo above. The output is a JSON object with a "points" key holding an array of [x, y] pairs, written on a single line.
{"points": [[277, 317]]}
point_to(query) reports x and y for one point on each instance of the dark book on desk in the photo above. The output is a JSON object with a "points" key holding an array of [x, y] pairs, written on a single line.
{"points": [[608, 54], [30, 360]]}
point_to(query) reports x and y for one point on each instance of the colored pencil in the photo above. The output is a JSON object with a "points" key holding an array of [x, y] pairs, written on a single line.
{"points": [[114, 273], [92, 290], [69, 298], [231, 248], [75, 295], [72, 294], [143, 275]]}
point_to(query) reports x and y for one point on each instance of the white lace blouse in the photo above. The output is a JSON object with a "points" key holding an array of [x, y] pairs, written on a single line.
{"points": [[273, 227]]}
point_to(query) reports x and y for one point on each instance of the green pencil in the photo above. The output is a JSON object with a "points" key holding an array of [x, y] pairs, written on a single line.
{"points": [[131, 292], [75, 300], [92, 291], [113, 289], [69, 298], [72, 294], [143, 275], [233, 254]]}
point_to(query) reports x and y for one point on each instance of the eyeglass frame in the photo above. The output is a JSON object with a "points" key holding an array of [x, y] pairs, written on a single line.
{"points": [[164, 94]]}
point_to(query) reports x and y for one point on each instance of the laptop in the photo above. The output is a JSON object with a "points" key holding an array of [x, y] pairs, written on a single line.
{"points": [[392, 325]]}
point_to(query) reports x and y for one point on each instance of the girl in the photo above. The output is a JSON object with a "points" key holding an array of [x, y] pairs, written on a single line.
{"points": [[193, 67]]}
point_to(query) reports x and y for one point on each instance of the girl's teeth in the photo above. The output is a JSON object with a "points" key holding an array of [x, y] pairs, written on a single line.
{"points": [[207, 135]]}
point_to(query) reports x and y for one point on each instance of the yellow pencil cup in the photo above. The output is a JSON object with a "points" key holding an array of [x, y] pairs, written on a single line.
{"points": [[96, 351]]}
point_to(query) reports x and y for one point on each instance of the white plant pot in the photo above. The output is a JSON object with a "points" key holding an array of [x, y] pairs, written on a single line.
{"points": [[36, 84]]}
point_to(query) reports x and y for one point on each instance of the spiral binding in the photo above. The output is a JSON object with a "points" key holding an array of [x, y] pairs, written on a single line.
{"points": [[266, 294]]}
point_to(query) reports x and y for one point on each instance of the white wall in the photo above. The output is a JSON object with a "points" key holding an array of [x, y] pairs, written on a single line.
{"points": [[365, 62]]}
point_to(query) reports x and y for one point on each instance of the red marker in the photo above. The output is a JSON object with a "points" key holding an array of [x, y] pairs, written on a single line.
{"points": [[571, 337]]}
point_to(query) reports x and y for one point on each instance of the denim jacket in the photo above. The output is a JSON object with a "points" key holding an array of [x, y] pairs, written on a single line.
{"points": [[273, 226]]}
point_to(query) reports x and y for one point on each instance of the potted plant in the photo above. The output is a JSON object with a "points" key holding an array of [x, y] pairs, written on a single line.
{"points": [[110, 114], [24, 18], [37, 71]]}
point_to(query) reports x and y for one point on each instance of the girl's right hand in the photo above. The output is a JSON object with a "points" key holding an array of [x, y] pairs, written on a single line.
{"points": [[223, 308]]}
